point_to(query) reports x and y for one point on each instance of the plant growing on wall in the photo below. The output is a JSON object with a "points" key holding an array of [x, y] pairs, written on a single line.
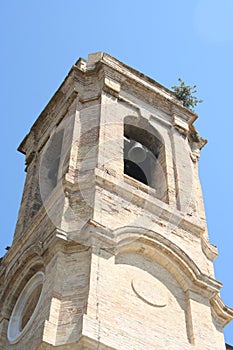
{"points": [[186, 93]]}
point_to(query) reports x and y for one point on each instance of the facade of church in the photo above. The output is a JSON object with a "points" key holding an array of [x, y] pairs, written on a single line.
{"points": [[111, 248]]}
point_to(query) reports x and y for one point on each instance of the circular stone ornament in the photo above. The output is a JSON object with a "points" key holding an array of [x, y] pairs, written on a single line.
{"points": [[26, 308], [150, 291]]}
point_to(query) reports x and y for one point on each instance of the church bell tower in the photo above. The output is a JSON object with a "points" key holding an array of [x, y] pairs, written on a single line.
{"points": [[111, 248]]}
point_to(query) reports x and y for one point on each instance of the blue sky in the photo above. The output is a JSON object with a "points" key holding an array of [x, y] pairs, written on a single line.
{"points": [[164, 39]]}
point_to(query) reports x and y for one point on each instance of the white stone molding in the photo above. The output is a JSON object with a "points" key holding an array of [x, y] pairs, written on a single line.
{"points": [[14, 331]]}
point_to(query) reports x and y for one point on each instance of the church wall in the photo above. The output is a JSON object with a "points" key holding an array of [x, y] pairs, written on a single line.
{"points": [[136, 303]]}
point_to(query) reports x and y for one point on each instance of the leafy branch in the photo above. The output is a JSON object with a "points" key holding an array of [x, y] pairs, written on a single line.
{"points": [[186, 93]]}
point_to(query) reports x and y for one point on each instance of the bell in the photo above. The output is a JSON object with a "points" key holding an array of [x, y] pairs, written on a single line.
{"points": [[137, 153]]}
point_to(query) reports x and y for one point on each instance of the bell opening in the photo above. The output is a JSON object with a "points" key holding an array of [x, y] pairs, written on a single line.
{"points": [[133, 170], [137, 153]]}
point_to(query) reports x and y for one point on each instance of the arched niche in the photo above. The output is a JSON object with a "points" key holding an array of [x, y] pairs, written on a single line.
{"points": [[144, 155], [158, 288], [144, 295], [50, 162], [18, 274]]}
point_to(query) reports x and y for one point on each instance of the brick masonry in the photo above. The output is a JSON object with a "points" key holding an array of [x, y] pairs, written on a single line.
{"points": [[127, 266]]}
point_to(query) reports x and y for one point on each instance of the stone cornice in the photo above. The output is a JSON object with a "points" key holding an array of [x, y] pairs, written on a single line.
{"points": [[22, 242], [224, 312], [124, 239], [58, 104], [78, 76], [141, 79], [209, 249], [188, 273], [156, 206]]}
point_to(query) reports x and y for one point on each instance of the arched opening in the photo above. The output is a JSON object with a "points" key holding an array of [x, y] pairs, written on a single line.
{"points": [[132, 169], [144, 157], [50, 163]]}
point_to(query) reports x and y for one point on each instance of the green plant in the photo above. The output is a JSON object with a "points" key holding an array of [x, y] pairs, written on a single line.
{"points": [[186, 93]]}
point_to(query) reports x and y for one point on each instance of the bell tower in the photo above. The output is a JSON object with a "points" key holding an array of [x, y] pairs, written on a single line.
{"points": [[111, 247]]}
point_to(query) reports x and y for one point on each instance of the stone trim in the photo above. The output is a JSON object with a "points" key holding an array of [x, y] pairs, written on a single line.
{"points": [[14, 331]]}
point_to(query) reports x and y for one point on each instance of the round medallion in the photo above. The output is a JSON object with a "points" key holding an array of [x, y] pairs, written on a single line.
{"points": [[150, 291], [25, 308]]}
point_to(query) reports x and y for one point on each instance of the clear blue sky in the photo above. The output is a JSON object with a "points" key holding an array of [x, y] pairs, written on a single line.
{"points": [[164, 39]]}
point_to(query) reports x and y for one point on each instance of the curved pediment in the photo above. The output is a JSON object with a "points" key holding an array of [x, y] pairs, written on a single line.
{"points": [[176, 261]]}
